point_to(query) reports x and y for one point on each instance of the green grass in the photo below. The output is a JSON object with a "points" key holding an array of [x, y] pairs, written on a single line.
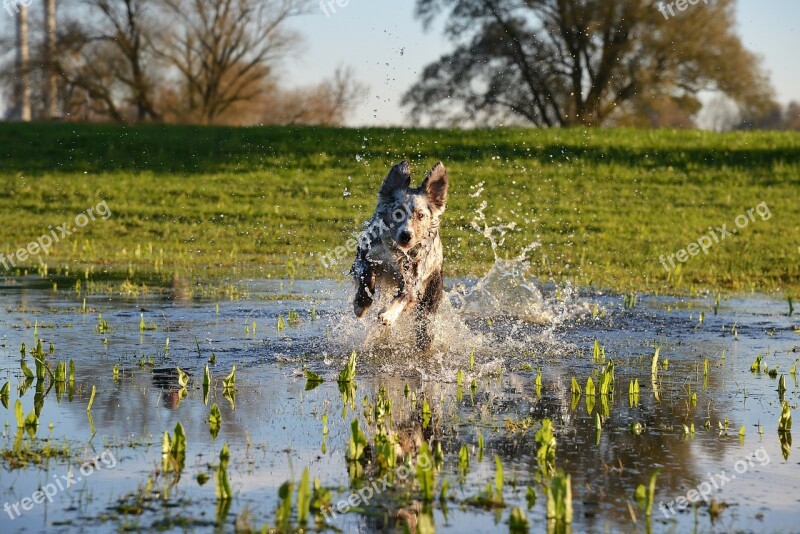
{"points": [[210, 202]]}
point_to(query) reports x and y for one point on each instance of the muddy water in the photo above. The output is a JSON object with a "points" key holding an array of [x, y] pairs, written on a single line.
{"points": [[514, 327]]}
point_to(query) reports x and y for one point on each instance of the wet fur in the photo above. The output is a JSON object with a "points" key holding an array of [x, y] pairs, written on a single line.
{"points": [[400, 252]]}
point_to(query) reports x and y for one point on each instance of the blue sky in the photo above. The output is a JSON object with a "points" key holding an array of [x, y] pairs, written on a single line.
{"points": [[388, 48]]}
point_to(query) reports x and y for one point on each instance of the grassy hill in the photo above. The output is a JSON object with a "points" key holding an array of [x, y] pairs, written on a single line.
{"points": [[604, 205]]}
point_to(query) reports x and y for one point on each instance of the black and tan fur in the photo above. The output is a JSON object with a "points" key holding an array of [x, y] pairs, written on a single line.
{"points": [[401, 253]]}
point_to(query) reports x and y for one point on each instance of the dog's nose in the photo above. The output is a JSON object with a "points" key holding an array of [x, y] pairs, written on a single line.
{"points": [[404, 237]]}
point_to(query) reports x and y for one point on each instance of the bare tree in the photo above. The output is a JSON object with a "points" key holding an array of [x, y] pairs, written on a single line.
{"points": [[327, 104], [51, 95], [223, 50], [107, 58], [583, 62], [23, 67]]}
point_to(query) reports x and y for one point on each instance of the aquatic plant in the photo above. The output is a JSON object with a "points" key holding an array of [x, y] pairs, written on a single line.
{"points": [[607, 379], [304, 498], [590, 390], [358, 443], [102, 325], [755, 367], [598, 353], [559, 498], [183, 378], [229, 382], [426, 413], [91, 399], [646, 496], [633, 392], [173, 450], [425, 477], [463, 461], [283, 515], [576, 388], [5, 392], [214, 420], [223, 487], [206, 377], [546, 454], [348, 374], [785, 421], [312, 379]]}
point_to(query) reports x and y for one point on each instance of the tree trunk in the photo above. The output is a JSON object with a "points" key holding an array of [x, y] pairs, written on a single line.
{"points": [[50, 51], [23, 66]]}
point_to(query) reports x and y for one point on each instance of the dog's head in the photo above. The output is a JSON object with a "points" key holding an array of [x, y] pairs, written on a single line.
{"points": [[411, 214]]}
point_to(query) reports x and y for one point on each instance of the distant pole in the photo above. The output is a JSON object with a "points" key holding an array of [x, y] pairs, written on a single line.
{"points": [[23, 66], [50, 50]]}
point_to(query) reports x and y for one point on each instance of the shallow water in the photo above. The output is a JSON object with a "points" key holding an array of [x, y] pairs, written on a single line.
{"points": [[515, 327]]}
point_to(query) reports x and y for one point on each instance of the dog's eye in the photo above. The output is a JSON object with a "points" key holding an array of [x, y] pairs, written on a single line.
{"points": [[419, 215]]}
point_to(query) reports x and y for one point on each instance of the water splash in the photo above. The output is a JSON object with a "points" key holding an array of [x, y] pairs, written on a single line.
{"points": [[499, 317]]}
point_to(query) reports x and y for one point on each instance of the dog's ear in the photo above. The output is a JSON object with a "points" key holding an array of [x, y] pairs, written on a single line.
{"points": [[399, 177], [435, 187]]}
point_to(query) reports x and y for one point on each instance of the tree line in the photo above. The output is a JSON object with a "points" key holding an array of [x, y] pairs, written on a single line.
{"points": [[542, 63], [174, 61]]}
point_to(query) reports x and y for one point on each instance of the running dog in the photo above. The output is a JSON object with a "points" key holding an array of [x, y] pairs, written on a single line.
{"points": [[401, 251]]}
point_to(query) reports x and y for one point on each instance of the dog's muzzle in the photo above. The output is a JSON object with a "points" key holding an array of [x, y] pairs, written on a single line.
{"points": [[404, 238]]}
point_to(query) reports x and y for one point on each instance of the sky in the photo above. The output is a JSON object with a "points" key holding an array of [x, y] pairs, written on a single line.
{"points": [[388, 48]]}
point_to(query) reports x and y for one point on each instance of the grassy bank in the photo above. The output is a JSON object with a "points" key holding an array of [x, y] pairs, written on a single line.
{"points": [[604, 204]]}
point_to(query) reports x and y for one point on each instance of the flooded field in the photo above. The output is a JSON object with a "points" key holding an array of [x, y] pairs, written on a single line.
{"points": [[478, 435]]}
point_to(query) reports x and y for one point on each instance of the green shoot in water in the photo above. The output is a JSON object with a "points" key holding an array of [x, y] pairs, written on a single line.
{"points": [[646, 496], [214, 420], [91, 399], [304, 498], [183, 378], [425, 474], [590, 390], [223, 489], [576, 388], [546, 455], [785, 422], [5, 392], [229, 382], [173, 450], [559, 499], [348, 374]]}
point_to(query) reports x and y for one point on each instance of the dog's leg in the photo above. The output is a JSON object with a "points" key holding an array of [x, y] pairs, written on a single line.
{"points": [[364, 274], [426, 307], [393, 310]]}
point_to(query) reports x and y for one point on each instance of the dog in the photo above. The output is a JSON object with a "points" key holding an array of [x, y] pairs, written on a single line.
{"points": [[401, 250]]}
